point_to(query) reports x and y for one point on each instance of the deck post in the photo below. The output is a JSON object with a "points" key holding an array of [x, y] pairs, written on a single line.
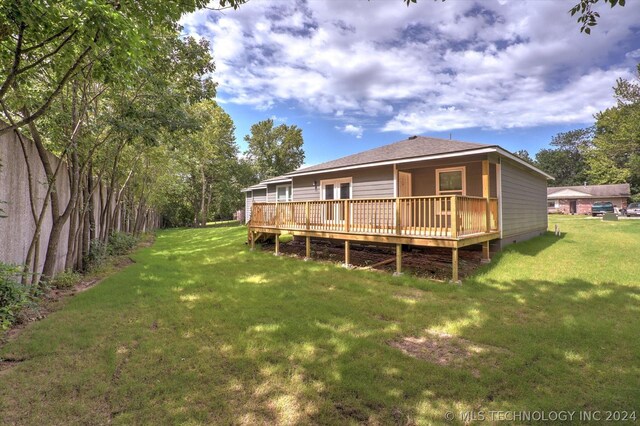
{"points": [[308, 248], [454, 216], [485, 252], [347, 221], [347, 254], [454, 264], [398, 260], [307, 219], [486, 193], [397, 216], [277, 252], [253, 240]]}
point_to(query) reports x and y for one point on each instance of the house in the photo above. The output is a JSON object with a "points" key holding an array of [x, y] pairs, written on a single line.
{"points": [[579, 199], [420, 191]]}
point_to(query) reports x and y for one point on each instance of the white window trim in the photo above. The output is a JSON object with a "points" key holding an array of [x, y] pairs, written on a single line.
{"points": [[289, 196], [462, 169], [336, 182]]}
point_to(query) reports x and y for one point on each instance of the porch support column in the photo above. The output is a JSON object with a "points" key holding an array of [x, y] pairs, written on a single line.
{"points": [[398, 260], [486, 193], [308, 248], [277, 252], [485, 252], [252, 236], [454, 274], [347, 254]]}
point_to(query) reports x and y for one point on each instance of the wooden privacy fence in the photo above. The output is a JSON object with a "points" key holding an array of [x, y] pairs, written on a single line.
{"points": [[451, 216]]}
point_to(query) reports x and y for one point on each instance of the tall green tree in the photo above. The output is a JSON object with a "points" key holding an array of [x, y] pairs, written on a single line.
{"points": [[212, 154], [274, 150], [43, 45], [615, 154], [566, 162]]}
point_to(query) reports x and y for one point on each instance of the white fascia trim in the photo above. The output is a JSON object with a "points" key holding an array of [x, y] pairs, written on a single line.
{"points": [[571, 197], [515, 158], [401, 161], [253, 188], [269, 182]]}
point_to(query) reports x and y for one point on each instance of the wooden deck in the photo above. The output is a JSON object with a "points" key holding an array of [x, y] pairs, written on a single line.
{"points": [[452, 221]]}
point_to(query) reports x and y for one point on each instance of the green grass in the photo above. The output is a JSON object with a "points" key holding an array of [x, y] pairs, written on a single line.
{"points": [[201, 330]]}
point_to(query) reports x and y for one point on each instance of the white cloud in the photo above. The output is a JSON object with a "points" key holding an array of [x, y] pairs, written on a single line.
{"points": [[428, 67], [356, 131], [276, 119]]}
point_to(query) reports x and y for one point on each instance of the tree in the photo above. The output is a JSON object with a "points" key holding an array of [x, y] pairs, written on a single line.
{"points": [[524, 155], [567, 167], [212, 152], [43, 45], [615, 154], [274, 150], [587, 16], [566, 163]]}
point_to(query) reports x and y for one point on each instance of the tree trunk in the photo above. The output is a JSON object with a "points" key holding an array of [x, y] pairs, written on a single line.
{"points": [[203, 218]]}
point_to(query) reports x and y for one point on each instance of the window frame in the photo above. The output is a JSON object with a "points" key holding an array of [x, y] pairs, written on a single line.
{"points": [[289, 192], [336, 184], [463, 170]]}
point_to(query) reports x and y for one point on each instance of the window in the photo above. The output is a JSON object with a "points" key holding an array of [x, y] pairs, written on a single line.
{"points": [[283, 193], [553, 204], [451, 181], [335, 189]]}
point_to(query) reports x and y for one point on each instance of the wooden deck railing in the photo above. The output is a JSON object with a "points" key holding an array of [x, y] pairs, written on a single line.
{"points": [[452, 216]]}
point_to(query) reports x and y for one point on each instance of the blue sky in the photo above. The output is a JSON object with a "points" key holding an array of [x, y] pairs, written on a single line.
{"points": [[359, 74]]}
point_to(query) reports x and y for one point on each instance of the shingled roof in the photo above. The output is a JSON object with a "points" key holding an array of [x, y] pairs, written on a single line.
{"points": [[415, 146], [600, 191]]}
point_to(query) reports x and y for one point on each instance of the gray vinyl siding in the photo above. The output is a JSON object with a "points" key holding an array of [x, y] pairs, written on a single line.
{"points": [[258, 196], [374, 182], [524, 202], [271, 193], [248, 202]]}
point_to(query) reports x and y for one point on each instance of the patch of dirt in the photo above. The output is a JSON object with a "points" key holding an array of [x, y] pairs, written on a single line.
{"points": [[427, 262], [123, 261], [351, 412], [444, 349], [7, 364], [147, 241]]}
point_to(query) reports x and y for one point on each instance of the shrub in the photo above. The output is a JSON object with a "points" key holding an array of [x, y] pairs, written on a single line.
{"points": [[120, 243], [96, 256], [13, 295], [65, 280]]}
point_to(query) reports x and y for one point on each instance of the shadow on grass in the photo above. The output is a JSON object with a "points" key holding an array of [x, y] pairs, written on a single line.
{"points": [[535, 245]]}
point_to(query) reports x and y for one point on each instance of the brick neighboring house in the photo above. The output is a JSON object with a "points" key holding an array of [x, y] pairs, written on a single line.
{"points": [[578, 199]]}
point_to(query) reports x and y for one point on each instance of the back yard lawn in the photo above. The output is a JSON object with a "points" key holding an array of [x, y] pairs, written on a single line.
{"points": [[201, 330]]}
